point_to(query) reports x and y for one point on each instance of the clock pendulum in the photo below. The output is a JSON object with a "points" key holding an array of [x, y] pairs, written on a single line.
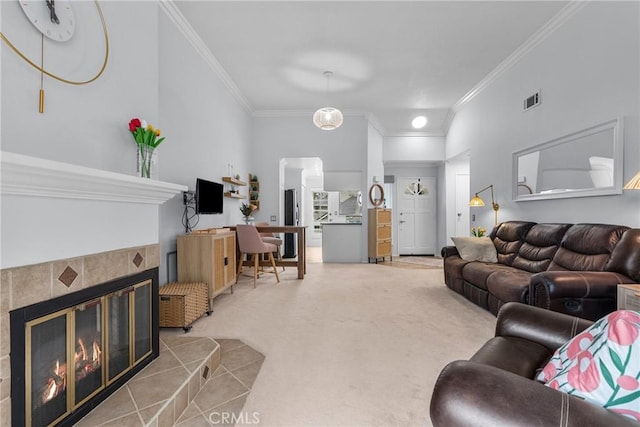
{"points": [[55, 20], [41, 100]]}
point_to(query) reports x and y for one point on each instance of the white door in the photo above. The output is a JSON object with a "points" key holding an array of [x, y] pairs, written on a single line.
{"points": [[462, 205], [416, 216]]}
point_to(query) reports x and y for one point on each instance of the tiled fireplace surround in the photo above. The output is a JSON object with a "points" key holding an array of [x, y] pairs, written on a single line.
{"points": [[21, 286], [32, 274]]}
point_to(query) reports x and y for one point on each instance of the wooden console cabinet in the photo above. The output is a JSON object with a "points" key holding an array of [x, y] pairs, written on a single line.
{"points": [[209, 258], [379, 233]]}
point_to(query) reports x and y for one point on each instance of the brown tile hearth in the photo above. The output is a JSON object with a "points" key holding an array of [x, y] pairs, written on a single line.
{"points": [[165, 393]]}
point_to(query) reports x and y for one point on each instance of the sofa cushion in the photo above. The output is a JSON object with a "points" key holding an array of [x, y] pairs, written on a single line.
{"points": [[510, 285], [540, 245], [508, 237], [477, 273], [587, 247], [475, 248], [625, 258], [601, 364]]}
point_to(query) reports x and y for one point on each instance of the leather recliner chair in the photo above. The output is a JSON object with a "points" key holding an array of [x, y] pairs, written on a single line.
{"points": [[497, 386]]}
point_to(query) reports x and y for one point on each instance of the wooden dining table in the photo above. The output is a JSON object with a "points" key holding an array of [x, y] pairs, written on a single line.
{"points": [[300, 262]]}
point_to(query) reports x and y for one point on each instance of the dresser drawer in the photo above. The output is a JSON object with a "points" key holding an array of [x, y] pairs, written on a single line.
{"points": [[383, 248], [629, 297], [384, 216], [384, 232]]}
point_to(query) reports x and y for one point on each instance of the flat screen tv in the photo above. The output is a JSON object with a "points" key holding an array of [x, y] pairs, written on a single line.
{"points": [[209, 197]]}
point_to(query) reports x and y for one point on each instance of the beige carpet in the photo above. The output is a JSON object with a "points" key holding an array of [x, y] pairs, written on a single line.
{"points": [[427, 261], [350, 345]]}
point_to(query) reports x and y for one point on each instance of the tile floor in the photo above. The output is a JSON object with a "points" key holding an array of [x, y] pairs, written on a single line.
{"points": [[196, 381]]}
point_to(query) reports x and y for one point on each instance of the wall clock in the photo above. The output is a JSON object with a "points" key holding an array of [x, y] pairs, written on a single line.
{"points": [[55, 20]]}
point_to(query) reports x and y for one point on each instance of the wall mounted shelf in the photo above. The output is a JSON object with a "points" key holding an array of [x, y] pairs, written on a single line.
{"points": [[234, 195], [233, 181]]}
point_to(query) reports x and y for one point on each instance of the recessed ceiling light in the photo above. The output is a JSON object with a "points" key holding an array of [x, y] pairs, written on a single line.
{"points": [[419, 122]]}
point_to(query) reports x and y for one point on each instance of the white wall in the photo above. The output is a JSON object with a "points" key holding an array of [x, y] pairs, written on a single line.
{"points": [[413, 148], [588, 71], [375, 163], [85, 125], [206, 128]]}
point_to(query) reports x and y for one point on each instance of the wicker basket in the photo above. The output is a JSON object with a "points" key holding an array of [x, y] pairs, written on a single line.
{"points": [[182, 303]]}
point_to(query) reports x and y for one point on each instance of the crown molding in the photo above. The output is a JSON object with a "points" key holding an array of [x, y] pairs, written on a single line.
{"points": [[417, 134], [35, 177], [538, 37], [181, 23]]}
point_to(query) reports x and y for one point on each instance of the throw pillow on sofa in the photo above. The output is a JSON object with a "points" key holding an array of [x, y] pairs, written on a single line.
{"points": [[602, 364], [476, 248]]}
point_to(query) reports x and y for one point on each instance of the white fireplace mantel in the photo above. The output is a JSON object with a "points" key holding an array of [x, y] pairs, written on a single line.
{"points": [[53, 210], [31, 176]]}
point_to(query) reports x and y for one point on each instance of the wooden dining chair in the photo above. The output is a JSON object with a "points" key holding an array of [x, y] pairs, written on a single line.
{"points": [[250, 243], [271, 238]]}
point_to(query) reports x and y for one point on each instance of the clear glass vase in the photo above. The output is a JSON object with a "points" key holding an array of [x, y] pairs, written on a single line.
{"points": [[147, 161]]}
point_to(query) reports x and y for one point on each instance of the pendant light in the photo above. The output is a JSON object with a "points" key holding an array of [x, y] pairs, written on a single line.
{"points": [[327, 118]]}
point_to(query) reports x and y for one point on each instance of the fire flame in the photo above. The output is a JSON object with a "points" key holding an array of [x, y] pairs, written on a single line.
{"points": [[85, 364], [55, 383]]}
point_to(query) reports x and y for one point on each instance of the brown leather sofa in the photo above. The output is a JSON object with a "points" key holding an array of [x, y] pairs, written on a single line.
{"points": [[496, 387], [569, 268]]}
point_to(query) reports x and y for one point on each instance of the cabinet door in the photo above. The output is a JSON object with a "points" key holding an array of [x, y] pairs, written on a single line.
{"points": [[230, 258], [218, 262]]}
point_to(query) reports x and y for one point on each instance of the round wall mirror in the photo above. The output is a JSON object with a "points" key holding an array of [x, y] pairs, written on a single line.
{"points": [[376, 195]]}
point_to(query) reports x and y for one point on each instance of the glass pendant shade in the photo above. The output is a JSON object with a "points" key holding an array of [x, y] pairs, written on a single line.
{"points": [[328, 118]]}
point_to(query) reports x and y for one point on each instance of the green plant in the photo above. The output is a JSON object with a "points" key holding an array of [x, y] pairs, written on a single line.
{"points": [[247, 209], [478, 232]]}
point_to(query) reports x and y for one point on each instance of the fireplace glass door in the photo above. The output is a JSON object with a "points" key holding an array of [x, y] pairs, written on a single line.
{"points": [[47, 368], [88, 350], [142, 336], [119, 345]]}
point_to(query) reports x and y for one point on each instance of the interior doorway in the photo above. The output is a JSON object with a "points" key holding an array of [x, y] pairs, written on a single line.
{"points": [[305, 176], [462, 205]]}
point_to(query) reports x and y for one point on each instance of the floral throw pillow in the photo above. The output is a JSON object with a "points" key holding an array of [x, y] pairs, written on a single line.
{"points": [[602, 364]]}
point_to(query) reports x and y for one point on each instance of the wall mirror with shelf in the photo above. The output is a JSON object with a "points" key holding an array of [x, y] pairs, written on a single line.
{"points": [[581, 164]]}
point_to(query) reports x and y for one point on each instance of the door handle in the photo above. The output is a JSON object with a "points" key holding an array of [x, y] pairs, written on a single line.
{"points": [[402, 222], [459, 214]]}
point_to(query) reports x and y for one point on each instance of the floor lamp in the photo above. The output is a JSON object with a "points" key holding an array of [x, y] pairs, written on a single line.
{"points": [[634, 184], [476, 201]]}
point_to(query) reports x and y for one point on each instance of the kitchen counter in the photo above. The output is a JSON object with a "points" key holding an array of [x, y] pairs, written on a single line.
{"points": [[342, 242]]}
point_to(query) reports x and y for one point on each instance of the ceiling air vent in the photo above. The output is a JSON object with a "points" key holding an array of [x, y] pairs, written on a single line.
{"points": [[532, 101]]}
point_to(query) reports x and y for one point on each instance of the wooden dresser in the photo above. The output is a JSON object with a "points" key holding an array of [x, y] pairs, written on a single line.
{"points": [[379, 234], [209, 258]]}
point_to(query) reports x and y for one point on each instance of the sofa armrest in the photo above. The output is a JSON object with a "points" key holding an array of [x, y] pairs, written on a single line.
{"points": [[548, 328], [448, 251], [568, 292], [468, 393]]}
